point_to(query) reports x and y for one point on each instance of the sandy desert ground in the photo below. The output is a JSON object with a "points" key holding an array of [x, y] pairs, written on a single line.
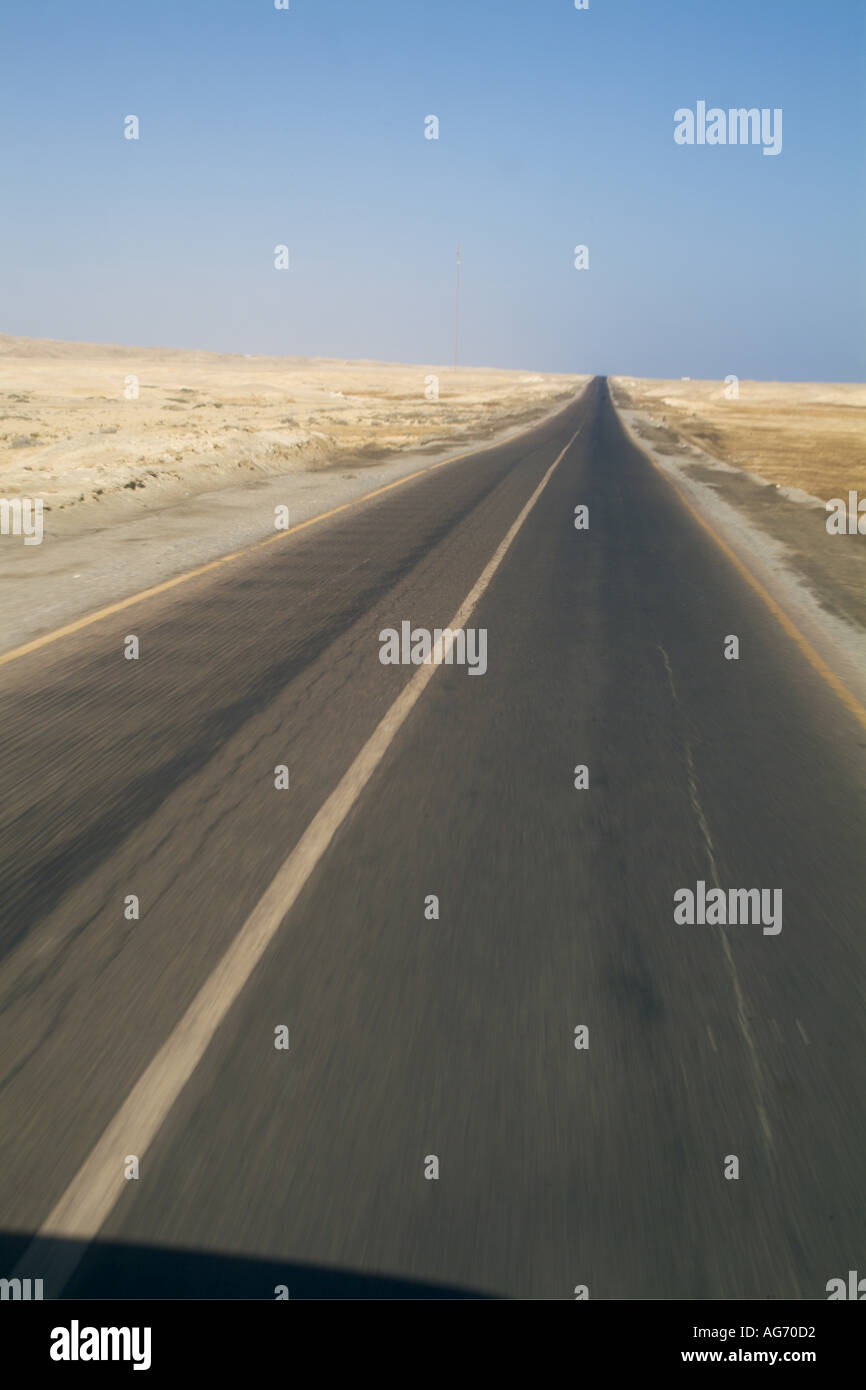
{"points": [[774, 458], [805, 435], [88, 424]]}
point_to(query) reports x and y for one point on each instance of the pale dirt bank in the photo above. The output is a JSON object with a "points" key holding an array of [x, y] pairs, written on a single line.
{"points": [[103, 427], [760, 470], [139, 491], [805, 435]]}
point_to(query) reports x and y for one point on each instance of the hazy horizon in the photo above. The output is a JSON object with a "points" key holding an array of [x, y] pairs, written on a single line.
{"points": [[306, 128], [463, 366]]}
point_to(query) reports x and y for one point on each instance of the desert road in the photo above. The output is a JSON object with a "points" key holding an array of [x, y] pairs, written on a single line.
{"points": [[412, 1036]]}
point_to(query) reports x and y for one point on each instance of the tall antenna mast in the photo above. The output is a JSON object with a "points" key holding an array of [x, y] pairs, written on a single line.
{"points": [[457, 308]]}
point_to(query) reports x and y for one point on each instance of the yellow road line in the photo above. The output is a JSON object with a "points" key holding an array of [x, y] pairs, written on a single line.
{"points": [[817, 662]]}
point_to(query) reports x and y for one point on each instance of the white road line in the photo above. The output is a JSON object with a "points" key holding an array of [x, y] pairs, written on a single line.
{"points": [[99, 1182]]}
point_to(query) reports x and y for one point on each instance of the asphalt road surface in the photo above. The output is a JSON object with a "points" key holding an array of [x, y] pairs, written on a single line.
{"points": [[411, 1037]]}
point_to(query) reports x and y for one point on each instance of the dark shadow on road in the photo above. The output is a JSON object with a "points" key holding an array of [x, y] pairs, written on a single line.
{"points": [[108, 1270]]}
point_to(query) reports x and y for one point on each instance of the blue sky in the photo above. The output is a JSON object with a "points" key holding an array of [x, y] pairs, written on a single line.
{"points": [[306, 127]]}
